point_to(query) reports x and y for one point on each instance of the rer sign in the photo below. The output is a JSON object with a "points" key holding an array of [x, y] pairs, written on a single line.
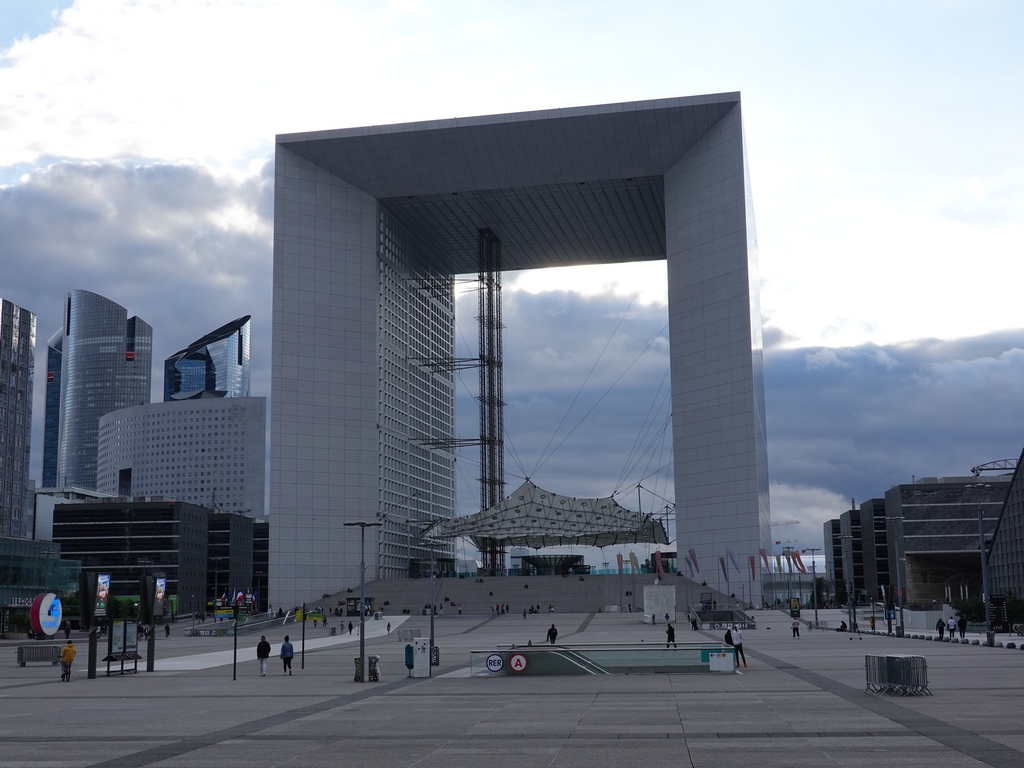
{"points": [[46, 614], [495, 663]]}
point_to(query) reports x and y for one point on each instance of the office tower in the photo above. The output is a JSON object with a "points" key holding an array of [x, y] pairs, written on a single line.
{"points": [[215, 365], [105, 365], [51, 425], [17, 356], [210, 451], [370, 225]]}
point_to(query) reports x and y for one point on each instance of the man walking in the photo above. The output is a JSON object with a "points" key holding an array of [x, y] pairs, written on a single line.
{"points": [[940, 627], [951, 626], [287, 654], [737, 639], [962, 626], [67, 657], [796, 627], [671, 632], [552, 635], [262, 654]]}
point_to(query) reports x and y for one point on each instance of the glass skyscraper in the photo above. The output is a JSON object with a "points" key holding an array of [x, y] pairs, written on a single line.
{"points": [[17, 355], [215, 365], [105, 365], [51, 427]]}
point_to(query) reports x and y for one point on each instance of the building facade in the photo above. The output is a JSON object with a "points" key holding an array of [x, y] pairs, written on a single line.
{"points": [[1006, 555], [229, 556], [853, 554], [833, 549], [210, 451], [17, 367], [370, 225], [51, 425], [106, 363], [130, 539], [217, 364], [936, 522]]}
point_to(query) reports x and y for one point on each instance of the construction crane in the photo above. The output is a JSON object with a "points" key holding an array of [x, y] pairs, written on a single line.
{"points": [[785, 522], [993, 466]]}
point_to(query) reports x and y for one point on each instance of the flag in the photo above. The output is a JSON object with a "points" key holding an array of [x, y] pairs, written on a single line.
{"points": [[764, 556], [693, 559], [633, 563], [725, 568], [732, 559], [620, 559], [799, 562], [657, 563], [753, 568], [689, 565], [778, 563]]}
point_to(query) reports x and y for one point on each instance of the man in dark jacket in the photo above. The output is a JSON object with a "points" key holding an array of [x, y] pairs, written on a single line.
{"points": [[262, 654], [287, 654], [552, 634]]}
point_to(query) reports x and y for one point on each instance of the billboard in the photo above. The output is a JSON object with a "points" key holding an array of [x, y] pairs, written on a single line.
{"points": [[102, 593], [159, 594]]}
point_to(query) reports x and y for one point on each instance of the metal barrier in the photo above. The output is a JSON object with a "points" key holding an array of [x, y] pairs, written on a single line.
{"points": [[40, 653], [897, 675]]}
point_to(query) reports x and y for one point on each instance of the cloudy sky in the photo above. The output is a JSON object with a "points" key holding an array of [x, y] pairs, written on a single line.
{"points": [[885, 150]]}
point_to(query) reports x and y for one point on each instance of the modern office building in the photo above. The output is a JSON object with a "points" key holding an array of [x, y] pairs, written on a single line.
{"points": [[29, 567], [106, 363], [17, 367], [51, 425], [853, 553], [45, 501], [216, 365], [833, 549], [210, 451], [936, 522], [370, 226], [261, 563], [1006, 554], [229, 556], [875, 551], [130, 539]]}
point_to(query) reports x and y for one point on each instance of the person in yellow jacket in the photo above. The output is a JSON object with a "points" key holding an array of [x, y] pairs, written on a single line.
{"points": [[67, 656]]}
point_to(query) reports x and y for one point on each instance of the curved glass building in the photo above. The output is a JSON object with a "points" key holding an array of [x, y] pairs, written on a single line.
{"points": [[217, 365], [105, 366]]}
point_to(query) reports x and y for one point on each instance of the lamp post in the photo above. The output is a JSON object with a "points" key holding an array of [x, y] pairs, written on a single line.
{"points": [[989, 635], [363, 525], [900, 576], [814, 581]]}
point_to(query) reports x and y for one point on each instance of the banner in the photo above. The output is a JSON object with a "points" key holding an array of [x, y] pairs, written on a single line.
{"points": [[102, 593], [689, 566], [753, 567], [633, 562], [799, 563], [764, 556], [732, 559], [620, 559], [778, 563], [657, 564], [693, 559], [725, 568]]}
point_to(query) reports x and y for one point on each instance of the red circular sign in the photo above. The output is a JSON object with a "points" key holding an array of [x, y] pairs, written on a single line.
{"points": [[517, 663]]}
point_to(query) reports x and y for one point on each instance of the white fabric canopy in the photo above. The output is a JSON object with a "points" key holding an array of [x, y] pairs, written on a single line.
{"points": [[534, 517]]}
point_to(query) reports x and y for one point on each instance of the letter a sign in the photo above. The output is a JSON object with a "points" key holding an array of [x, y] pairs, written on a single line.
{"points": [[518, 663]]}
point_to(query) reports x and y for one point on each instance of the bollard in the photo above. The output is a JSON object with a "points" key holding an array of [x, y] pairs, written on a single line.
{"points": [[410, 659], [374, 675], [435, 656], [359, 671]]}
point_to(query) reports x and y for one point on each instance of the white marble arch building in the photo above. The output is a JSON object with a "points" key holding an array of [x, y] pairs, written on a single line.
{"points": [[369, 226]]}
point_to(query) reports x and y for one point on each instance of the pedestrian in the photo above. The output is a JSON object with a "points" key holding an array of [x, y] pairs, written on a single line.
{"points": [[389, 627], [67, 658], [728, 637], [350, 627], [951, 626], [167, 630], [962, 626], [737, 639], [262, 654], [940, 627], [287, 654], [871, 623], [694, 624], [67, 629], [552, 634], [671, 632], [796, 627], [524, 614]]}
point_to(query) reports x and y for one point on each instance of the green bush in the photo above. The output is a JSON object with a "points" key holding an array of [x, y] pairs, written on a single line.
{"points": [[20, 622], [972, 608]]}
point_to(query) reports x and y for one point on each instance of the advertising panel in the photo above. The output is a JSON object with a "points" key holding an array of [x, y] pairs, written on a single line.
{"points": [[158, 597], [102, 593], [131, 637], [117, 637]]}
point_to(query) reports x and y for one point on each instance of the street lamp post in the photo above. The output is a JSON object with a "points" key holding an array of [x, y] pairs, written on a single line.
{"points": [[989, 635], [814, 581], [363, 525], [900, 577]]}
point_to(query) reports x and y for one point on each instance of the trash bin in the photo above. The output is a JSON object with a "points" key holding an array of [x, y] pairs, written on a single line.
{"points": [[435, 656], [410, 659], [990, 639], [334, 630], [374, 669], [359, 671]]}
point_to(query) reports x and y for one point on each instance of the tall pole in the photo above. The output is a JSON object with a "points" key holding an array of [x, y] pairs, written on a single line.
{"points": [[363, 525], [303, 661], [430, 661], [981, 487], [814, 579]]}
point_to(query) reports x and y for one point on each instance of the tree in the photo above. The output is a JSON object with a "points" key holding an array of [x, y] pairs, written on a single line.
{"points": [[840, 593], [824, 589], [973, 609]]}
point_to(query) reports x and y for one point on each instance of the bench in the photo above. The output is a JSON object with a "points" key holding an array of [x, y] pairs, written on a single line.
{"points": [[38, 653]]}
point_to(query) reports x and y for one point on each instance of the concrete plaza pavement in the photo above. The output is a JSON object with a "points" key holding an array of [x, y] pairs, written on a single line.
{"points": [[799, 702]]}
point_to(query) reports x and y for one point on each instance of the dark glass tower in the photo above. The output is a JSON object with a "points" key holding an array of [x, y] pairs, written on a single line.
{"points": [[105, 366], [51, 425], [216, 365], [17, 355]]}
